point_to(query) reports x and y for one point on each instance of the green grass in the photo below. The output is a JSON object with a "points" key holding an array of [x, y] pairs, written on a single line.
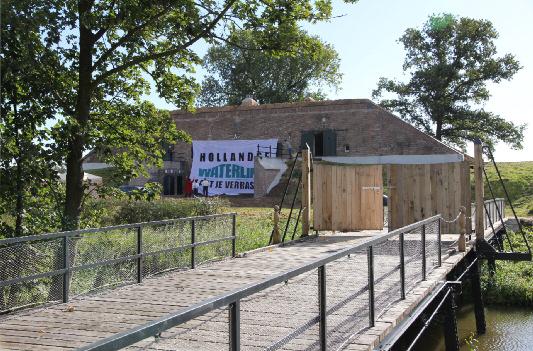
{"points": [[254, 226], [513, 281], [518, 178]]}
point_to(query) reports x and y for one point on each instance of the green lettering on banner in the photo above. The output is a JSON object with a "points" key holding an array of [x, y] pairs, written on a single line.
{"points": [[235, 171], [228, 170]]}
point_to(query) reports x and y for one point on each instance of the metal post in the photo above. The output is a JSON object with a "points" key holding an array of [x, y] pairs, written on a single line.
{"points": [[371, 312], [439, 234], [193, 240], [139, 252], [424, 252], [235, 326], [270, 151], [478, 300], [322, 307], [402, 266], [66, 266], [234, 234], [450, 324]]}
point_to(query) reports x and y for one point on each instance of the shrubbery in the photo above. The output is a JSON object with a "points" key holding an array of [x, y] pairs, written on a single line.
{"points": [[146, 211], [513, 281]]}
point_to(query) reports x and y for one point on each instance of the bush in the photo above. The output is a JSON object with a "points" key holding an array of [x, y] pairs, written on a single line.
{"points": [[512, 283], [144, 211]]}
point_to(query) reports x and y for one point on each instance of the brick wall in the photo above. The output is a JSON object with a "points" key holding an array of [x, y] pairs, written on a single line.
{"points": [[368, 129]]}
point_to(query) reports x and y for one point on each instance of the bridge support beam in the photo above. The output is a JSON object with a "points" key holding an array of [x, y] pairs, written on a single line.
{"points": [[450, 324], [479, 309]]}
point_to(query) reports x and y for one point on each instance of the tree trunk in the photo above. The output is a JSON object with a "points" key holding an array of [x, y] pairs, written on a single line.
{"points": [[19, 207], [438, 132], [76, 143]]}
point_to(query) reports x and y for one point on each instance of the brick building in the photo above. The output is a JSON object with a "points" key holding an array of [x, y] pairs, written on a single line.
{"points": [[347, 131]]}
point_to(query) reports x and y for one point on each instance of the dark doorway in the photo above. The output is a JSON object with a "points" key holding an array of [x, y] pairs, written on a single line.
{"points": [[172, 185], [319, 144], [168, 185]]}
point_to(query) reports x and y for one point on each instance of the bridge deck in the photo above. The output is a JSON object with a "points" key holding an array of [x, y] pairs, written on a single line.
{"points": [[267, 318]]}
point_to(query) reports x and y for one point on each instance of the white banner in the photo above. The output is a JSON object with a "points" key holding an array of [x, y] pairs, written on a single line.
{"points": [[228, 165]]}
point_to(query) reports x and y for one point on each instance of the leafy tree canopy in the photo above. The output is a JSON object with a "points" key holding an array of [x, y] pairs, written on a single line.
{"points": [[103, 55], [450, 61], [241, 67]]}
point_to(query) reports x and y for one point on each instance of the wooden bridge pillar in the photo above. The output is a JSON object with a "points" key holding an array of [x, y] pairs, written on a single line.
{"points": [[478, 177], [306, 190]]}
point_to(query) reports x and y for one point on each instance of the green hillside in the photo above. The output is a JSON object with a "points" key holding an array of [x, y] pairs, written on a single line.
{"points": [[518, 178]]}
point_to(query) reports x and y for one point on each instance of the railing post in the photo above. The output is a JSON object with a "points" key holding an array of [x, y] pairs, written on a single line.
{"points": [[423, 252], [461, 245], [479, 309], [66, 266], [402, 266], [439, 248], [193, 241], [371, 311], [234, 234], [235, 326], [322, 307], [306, 190], [139, 252], [450, 324]]}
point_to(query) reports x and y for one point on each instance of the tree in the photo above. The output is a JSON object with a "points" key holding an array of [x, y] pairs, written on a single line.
{"points": [[241, 67], [106, 55], [451, 60], [26, 163]]}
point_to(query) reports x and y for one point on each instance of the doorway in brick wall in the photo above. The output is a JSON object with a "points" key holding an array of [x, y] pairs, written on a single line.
{"points": [[321, 142]]}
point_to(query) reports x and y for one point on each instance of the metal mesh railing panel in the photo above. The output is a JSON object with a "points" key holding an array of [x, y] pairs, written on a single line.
{"points": [[102, 246], [208, 332], [166, 236], [387, 282], [347, 298], [31, 293], [105, 276], [413, 258], [105, 258], [283, 317], [432, 246], [213, 228], [30, 258]]}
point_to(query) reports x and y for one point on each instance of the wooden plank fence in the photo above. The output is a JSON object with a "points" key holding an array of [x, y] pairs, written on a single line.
{"points": [[347, 198]]}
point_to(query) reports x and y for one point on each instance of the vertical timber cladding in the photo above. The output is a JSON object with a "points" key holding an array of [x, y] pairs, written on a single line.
{"points": [[423, 190], [347, 198]]}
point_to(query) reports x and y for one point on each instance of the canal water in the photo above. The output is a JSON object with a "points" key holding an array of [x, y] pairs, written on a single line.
{"points": [[508, 329]]}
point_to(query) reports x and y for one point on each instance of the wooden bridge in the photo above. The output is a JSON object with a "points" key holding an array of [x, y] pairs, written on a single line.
{"points": [[344, 291], [180, 285]]}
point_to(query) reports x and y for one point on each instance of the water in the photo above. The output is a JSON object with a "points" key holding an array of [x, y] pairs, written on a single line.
{"points": [[508, 329]]}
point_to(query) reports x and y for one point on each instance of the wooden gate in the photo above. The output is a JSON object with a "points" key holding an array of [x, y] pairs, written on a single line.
{"points": [[347, 198], [421, 191]]}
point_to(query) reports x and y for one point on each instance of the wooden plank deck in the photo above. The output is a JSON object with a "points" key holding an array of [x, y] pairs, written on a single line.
{"points": [[284, 315], [89, 318]]}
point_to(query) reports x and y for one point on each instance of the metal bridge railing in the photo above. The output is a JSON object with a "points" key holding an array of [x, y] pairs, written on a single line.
{"points": [[493, 209], [319, 305], [54, 267]]}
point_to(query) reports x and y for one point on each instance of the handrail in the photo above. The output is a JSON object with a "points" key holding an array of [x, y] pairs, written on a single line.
{"points": [[60, 250], [233, 298], [71, 233]]}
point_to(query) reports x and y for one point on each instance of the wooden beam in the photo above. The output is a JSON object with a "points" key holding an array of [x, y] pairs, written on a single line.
{"points": [[478, 177], [306, 190]]}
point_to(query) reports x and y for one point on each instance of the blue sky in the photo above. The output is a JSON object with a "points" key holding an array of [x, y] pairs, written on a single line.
{"points": [[366, 40]]}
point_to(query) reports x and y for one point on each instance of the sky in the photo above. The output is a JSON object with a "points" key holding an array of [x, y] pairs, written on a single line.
{"points": [[366, 39]]}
